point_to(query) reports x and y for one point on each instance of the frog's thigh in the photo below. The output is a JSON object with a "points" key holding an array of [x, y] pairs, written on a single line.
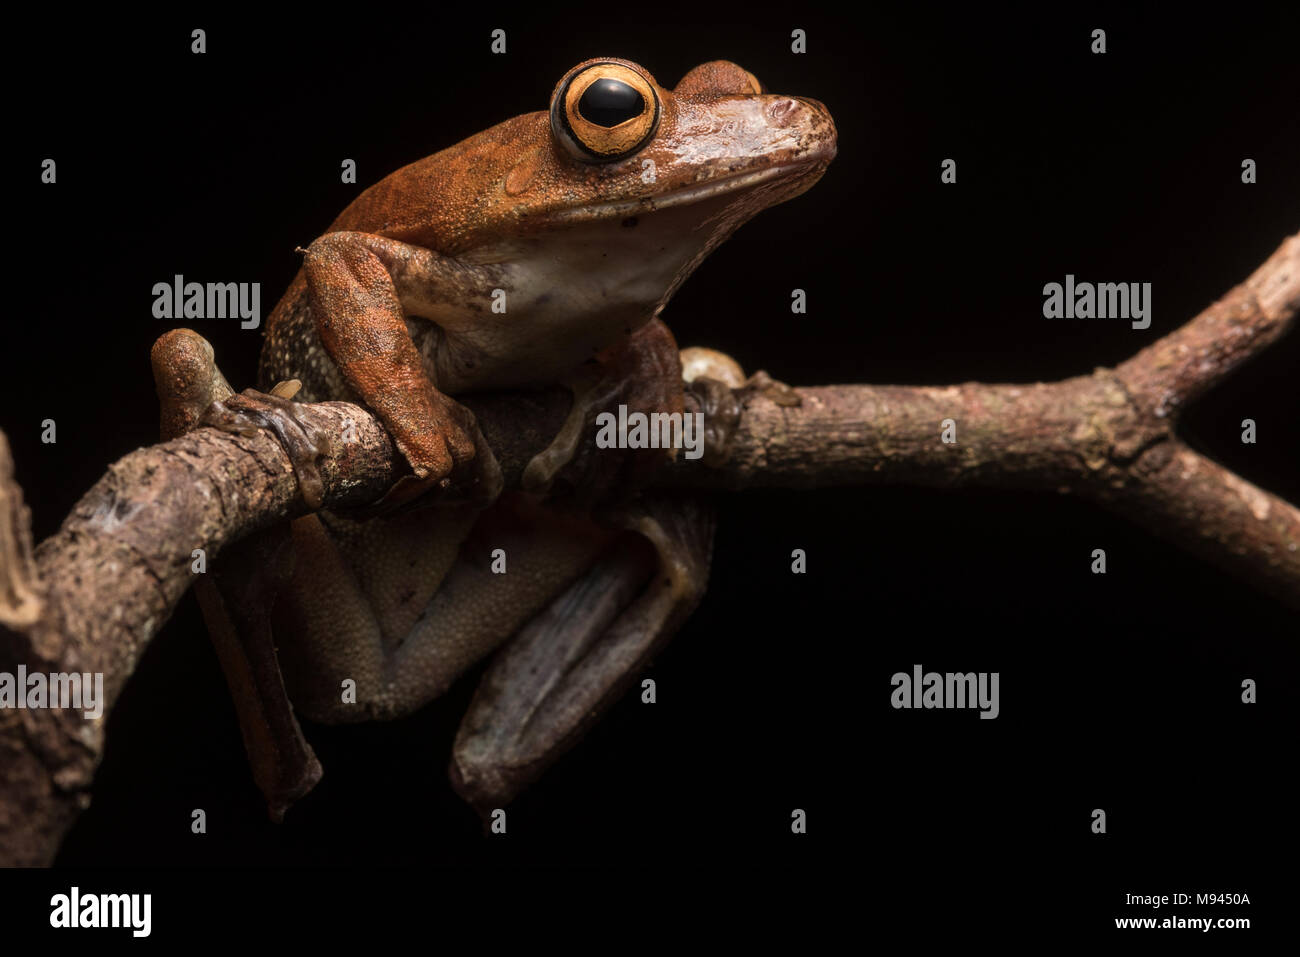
{"points": [[402, 605], [357, 587], [477, 608]]}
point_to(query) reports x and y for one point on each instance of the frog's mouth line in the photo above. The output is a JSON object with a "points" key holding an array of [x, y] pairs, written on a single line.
{"points": [[697, 192]]}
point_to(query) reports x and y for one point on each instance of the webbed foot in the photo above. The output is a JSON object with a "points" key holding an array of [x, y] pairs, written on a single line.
{"points": [[246, 412], [717, 386]]}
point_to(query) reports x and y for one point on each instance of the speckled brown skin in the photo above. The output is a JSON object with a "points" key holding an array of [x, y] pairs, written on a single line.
{"points": [[393, 309]]}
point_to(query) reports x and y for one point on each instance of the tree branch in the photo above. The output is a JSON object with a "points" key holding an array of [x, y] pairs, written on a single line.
{"points": [[91, 597]]}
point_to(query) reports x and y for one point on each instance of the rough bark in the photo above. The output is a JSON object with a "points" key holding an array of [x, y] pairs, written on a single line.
{"points": [[91, 597]]}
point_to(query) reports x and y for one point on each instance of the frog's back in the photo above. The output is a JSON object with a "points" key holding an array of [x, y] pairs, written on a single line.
{"points": [[438, 202], [403, 205]]}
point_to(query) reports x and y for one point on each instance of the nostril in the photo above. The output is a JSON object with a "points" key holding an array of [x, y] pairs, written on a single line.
{"points": [[781, 110]]}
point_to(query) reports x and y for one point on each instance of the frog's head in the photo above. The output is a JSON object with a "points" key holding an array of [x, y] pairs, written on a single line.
{"points": [[641, 148], [618, 152]]}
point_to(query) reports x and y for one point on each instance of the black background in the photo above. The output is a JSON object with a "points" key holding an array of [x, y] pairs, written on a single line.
{"points": [[1120, 692]]}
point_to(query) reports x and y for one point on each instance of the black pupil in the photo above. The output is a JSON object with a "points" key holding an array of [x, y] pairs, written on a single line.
{"points": [[609, 102]]}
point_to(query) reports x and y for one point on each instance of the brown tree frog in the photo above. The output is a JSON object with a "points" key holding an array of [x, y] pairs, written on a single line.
{"points": [[540, 251]]}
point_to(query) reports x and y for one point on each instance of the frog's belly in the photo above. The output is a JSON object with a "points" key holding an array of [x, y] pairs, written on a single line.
{"points": [[563, 299], [538, 349]]}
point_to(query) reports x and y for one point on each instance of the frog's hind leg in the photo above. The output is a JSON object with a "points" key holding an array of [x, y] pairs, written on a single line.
{"points": [[236, 603], [575, 658], [392, 610], [237, 593]]}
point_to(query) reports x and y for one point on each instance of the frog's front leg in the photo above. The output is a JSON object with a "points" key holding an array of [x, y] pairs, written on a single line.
{"points": [[643, 372], [361, 288]]}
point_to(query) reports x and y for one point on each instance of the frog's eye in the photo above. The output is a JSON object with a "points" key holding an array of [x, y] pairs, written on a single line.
{"points": [[604, 112]]}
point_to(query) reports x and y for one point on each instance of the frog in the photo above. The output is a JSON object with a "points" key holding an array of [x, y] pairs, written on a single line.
{"points": [[537, 253]]}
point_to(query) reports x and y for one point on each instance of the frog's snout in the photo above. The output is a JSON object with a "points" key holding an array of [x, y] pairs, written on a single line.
{"points": [[810, 119]]}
